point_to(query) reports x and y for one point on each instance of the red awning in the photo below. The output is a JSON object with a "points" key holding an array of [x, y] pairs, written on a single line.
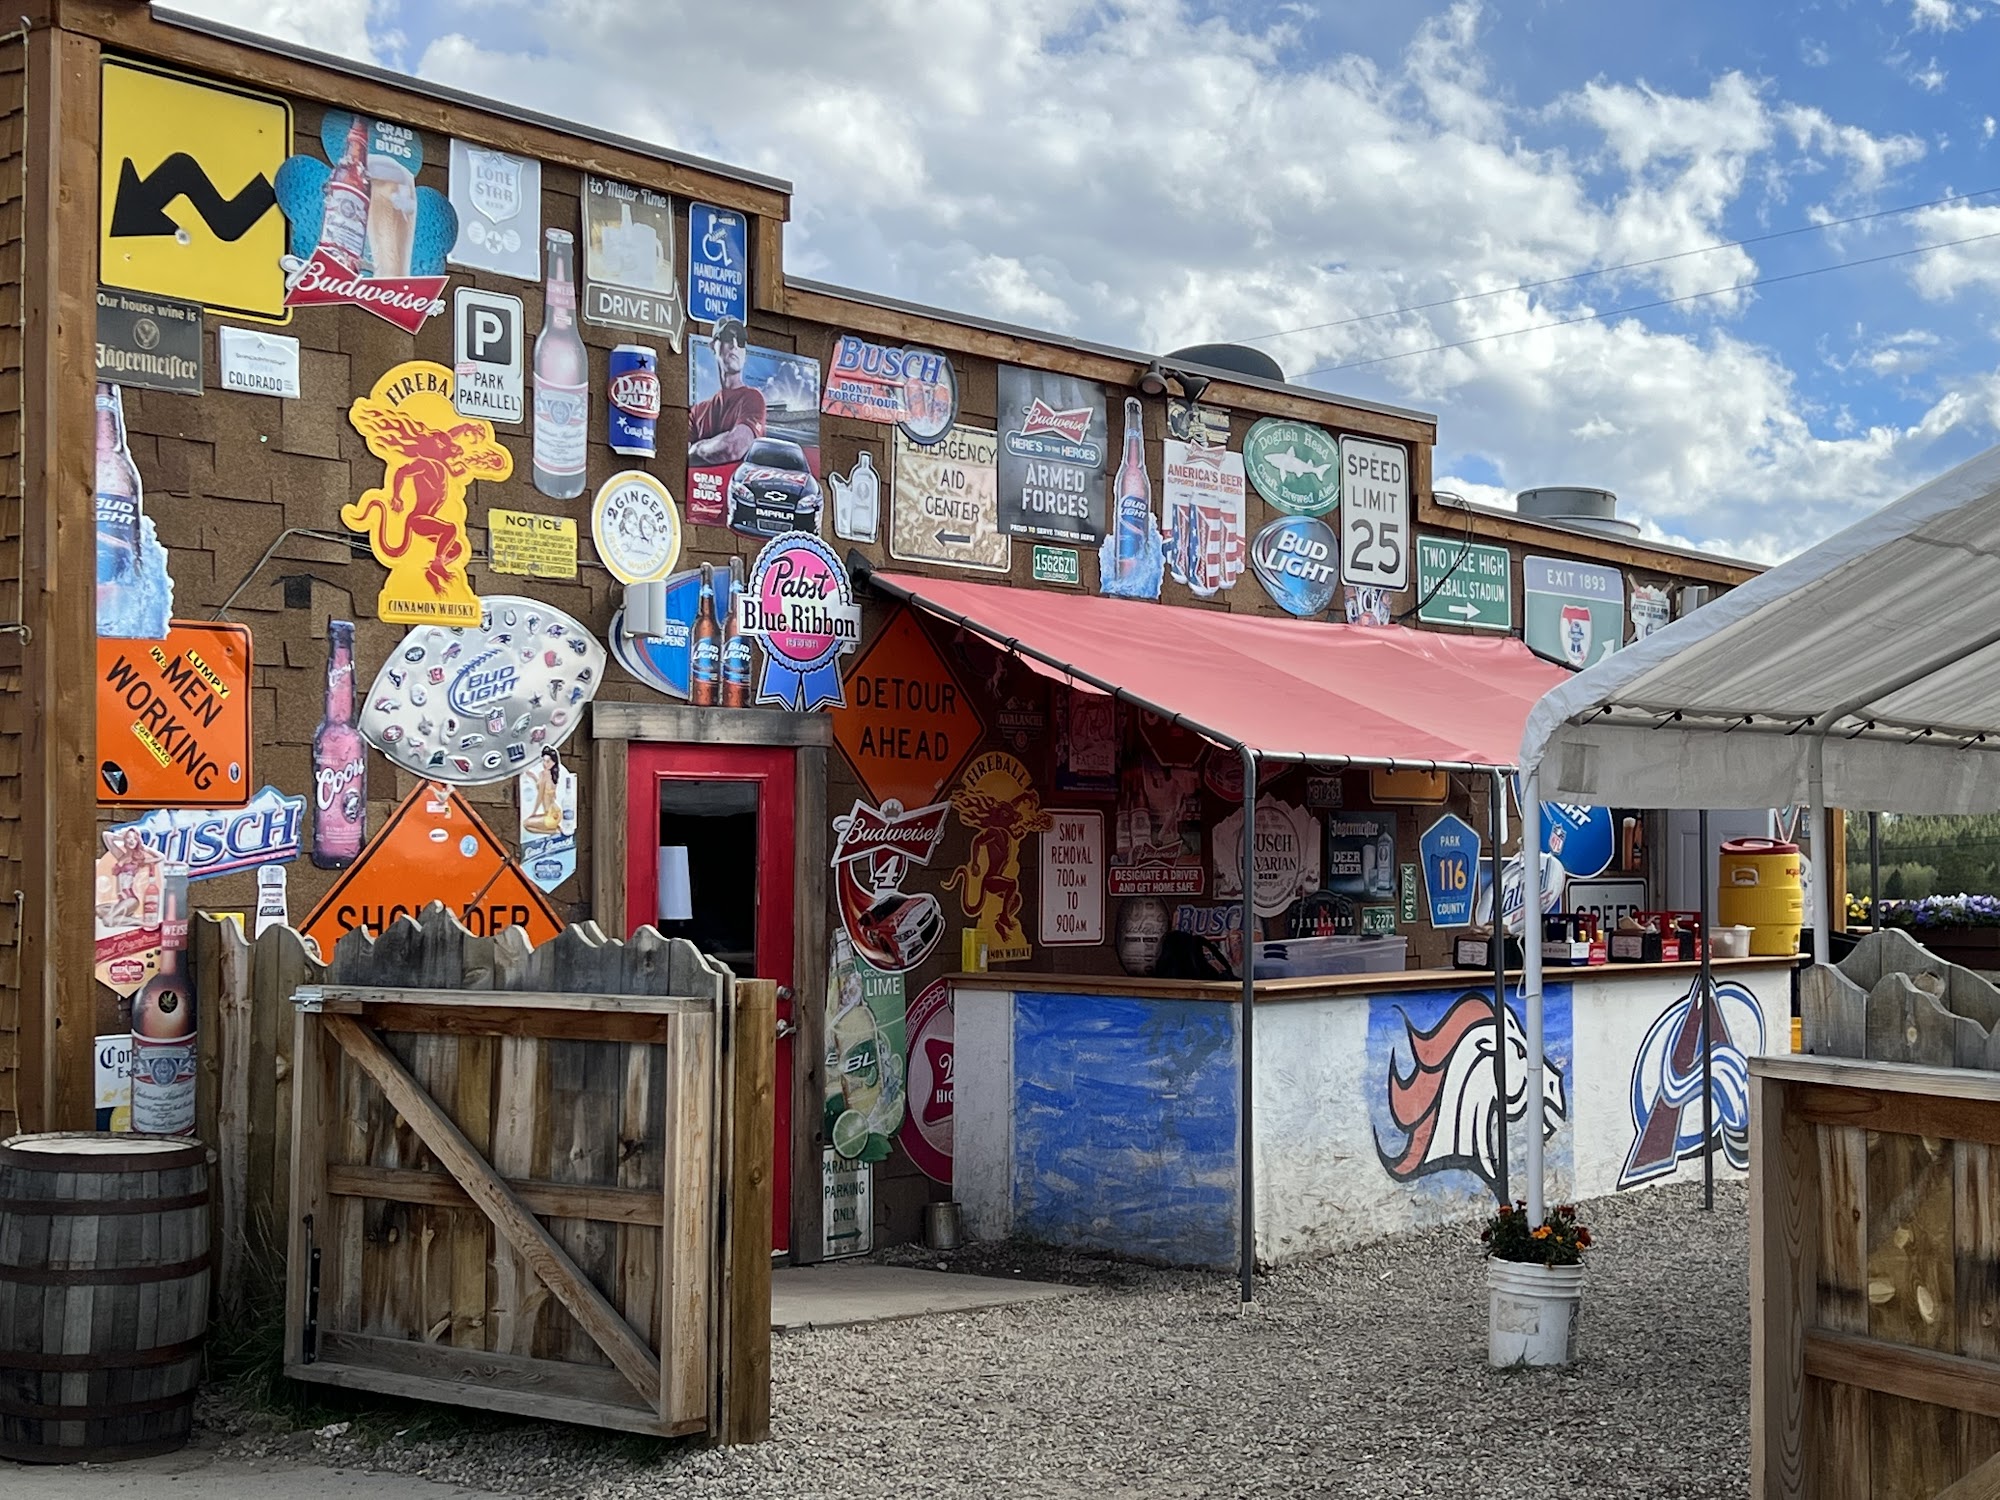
{"points": [[1283, 687]]}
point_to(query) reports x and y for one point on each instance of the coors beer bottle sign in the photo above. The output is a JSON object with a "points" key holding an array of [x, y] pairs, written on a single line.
{"points": [[361, 230]]}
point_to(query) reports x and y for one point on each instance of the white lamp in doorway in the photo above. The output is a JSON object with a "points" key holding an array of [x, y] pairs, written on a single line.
{"points": [[676, 896]]}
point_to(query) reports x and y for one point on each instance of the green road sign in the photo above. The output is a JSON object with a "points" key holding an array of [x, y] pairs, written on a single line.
{"points": [[1571, 612], [1478, 592], [1057, 565], [1293, 465]]}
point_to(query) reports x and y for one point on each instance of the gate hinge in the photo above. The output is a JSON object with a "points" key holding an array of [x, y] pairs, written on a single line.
{"points": [[308, 997]]}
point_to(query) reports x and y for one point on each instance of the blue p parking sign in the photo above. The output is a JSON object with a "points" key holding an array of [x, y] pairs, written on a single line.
{"points": [[718, 284]]}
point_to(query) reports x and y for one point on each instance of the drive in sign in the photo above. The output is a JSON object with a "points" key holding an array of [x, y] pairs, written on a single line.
{"points": [[1464, 583]]}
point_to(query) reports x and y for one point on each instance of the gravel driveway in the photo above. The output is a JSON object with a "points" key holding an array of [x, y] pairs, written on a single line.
{"points": [[1361, 1376]]}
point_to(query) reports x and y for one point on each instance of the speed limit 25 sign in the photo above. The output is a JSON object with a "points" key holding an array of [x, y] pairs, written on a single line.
{"points": [[1374, 514]]}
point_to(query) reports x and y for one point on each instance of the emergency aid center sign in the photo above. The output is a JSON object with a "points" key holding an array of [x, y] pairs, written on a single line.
{"points": [[173, 718], [909, 725], [433, 848]]}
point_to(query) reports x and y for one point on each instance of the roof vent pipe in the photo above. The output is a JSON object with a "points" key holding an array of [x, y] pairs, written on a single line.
{"points": [[1575, 505]]}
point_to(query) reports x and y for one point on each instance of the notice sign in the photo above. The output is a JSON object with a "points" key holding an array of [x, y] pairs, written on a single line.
{"points": [[909, 725], [945, 508], [173, 718], [1374, 514], [1073, 879], [1464, 583], [529, 545], [148, 341]]}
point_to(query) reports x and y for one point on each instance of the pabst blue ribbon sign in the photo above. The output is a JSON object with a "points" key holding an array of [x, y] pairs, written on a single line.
{"points": [[800, 604], [472, 706], [1297, 559]]}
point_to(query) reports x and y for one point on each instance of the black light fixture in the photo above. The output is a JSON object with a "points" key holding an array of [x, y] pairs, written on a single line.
{"points": [[1192, 385], [1154, 381], [1159, 380]]}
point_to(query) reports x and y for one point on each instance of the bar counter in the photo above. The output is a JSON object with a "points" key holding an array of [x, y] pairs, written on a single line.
{"points": [[1101, 1112]]}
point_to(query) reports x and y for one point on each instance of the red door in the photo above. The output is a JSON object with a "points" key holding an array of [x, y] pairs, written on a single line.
{"points": [[714, 824]]}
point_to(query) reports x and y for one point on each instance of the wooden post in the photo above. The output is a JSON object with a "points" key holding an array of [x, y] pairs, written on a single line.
{"points": [[58, 706], [746, 1352]]}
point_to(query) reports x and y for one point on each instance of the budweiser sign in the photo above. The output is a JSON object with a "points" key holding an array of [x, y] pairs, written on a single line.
{"points": [[889, 830], [402, 300], [1042, 417]]}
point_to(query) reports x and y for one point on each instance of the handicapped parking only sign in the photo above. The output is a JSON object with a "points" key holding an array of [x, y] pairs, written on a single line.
{"points": [[718, 281]]}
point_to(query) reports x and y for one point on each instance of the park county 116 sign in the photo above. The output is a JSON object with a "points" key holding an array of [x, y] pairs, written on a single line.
{"points": [[909, 725]]}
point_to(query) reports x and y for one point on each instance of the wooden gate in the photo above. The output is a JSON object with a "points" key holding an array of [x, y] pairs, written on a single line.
{"points": [[1875, 1237], [529, 1180]]}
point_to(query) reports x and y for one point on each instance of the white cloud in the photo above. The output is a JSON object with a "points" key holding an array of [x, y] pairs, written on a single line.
{"points": [[1943, 274], [1132, 171], [1814, 54], [1930, 77], [1934, 15], [346, 27], [1986, 127]]}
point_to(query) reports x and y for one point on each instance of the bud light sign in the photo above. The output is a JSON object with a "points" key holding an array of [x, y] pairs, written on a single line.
{"points": [[1297, 559], [487, 678]]}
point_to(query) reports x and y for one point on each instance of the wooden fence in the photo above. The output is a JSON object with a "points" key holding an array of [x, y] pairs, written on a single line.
{"points": [[1875, 1237], [529, 1180]]}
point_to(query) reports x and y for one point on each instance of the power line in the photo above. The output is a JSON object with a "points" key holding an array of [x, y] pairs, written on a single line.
{"points": [[1630, 265], [1637, 307]]}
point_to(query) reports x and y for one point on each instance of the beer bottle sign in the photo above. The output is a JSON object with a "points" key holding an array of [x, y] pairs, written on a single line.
{"points": [[1131, 559], [340, 761], [705, 647], [135, 593], [562, 378]]}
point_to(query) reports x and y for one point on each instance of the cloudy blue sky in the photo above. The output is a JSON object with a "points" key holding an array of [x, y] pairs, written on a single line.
{"points": [[1153, 173]]}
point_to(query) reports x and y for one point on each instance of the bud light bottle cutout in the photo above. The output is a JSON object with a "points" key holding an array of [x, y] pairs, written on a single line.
{"points": [[705, 648], [1130, 559], [340, 761], [117, 493], [562, 378], [343, 224], [735, 645]]}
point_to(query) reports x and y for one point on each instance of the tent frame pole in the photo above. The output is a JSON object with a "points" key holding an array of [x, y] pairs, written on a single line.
{"points": [[1705, 982], [1822, 865], [1496, 815], [1531, 975], [1874, 871], [1246, 1053]]}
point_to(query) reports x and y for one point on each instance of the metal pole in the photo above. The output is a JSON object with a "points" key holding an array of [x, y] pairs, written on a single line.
{"points": [[1707, 1060], [1822, 866], [1497, 811], [1875, 871], [1531, 976], [1247, 1252]]}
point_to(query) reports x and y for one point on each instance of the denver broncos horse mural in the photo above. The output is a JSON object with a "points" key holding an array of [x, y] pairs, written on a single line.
{"points": [[1445, 1105]]}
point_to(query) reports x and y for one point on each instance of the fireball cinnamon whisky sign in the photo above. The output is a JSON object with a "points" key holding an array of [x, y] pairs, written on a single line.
{"points": [[415, 519]]}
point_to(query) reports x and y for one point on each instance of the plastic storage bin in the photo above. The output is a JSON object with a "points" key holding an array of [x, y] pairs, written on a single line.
{"points": [[1731, 942], [1306, 958]]}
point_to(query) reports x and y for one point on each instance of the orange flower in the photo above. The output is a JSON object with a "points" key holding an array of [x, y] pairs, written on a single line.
{"points": [[1541, 1231]]}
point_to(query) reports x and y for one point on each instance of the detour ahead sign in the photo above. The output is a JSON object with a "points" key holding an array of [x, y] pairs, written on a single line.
{"points": [[173, 718], [433, 848]]}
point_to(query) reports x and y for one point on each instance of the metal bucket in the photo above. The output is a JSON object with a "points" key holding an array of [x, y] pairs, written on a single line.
{"points": [[941, 1226]]}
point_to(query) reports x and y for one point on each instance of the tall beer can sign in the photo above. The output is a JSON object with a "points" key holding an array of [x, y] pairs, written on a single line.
{"points": [[340, 761], [1576, 634], [633, 391], [562, 378], [1131, 559]]}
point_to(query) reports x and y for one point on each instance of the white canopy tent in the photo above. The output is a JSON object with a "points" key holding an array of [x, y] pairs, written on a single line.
{"points": [[1862, 674]]}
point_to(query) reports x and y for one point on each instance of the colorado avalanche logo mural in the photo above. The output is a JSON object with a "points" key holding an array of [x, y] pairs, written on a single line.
{"points": [[1441, 1095], [1666, 1083]]}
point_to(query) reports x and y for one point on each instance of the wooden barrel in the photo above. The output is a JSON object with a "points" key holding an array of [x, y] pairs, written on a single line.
{"points": [[104, 1264]]}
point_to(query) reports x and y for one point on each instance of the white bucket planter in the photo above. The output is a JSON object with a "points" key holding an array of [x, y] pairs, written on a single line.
{"points": [[1533, 1312]]}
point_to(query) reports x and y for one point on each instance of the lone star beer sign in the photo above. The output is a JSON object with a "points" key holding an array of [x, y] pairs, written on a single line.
{"points": [[909, 725], [173, 718], [433, 848]]}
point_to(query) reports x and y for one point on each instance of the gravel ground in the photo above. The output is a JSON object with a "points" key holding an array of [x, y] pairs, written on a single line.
{"points": [[1363, 1375]]}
